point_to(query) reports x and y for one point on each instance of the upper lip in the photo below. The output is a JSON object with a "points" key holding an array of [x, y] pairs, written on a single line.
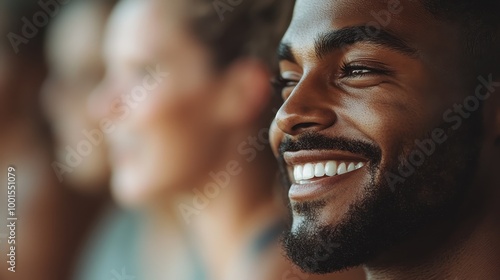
{"points": [[311, 156]]}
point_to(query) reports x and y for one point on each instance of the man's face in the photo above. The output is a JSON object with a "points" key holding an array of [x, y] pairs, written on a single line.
{"points": [[369, 153]]}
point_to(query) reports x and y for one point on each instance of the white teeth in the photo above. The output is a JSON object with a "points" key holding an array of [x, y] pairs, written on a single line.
{"points": [[297, 172], [321, 169], [331, 168], [342, 168], [308, 172], [350, 167]]}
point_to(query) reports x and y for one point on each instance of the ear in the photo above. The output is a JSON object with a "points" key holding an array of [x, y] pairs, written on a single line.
{"points": [[245, 93]]}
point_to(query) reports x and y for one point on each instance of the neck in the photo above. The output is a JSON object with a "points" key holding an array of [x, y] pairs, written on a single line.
{"points": [[471, 251]]}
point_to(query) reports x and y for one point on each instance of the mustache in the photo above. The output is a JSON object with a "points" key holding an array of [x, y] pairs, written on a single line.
{"points": [[316, 141]]}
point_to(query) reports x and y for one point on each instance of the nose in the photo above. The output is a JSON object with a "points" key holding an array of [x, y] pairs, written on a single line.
{"points": [[305, 110]]}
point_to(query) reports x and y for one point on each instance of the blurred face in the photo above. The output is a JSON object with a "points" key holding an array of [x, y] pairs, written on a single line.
{"points": [[76, 68], [371, 144], [156, 99]]}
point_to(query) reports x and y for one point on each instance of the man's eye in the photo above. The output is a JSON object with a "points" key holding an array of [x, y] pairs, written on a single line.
{"points": [[280, 83], [359, 72], [354, 71], [283, 86]]}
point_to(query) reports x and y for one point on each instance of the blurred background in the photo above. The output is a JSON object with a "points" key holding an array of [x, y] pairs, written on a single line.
{"points": [[138, 132]]}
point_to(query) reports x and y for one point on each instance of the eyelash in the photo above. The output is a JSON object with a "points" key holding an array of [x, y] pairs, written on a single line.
{"points": [[347, 71], [279, 83]]}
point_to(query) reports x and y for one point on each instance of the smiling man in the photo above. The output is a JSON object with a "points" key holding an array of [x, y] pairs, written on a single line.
{"points": [[389, 137]]}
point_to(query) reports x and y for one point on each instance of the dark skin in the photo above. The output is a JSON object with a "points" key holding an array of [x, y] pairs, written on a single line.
{"points": [[389, 92]]}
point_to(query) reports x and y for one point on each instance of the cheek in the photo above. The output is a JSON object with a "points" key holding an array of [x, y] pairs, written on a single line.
{"points": [[394, 125], [178, 118], [175, 135]]}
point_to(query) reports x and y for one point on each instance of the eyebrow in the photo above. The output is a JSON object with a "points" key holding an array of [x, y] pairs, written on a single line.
{"points": [[338, 39]]}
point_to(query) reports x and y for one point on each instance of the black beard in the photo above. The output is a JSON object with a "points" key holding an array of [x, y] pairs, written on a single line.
{"points": [[388, 214]]}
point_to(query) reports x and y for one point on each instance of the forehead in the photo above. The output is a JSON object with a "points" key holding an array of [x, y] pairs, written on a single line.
{"points": [[77, 35], [142, 30], [407, 19]]}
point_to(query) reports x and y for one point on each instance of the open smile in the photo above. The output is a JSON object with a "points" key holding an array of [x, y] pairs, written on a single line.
{"points": [[314, 173]]}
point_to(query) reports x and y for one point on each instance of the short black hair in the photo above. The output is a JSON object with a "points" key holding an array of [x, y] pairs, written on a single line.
{"points": [[479, 21]]}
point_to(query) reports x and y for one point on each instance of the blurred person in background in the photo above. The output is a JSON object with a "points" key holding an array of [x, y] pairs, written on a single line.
{"points": [[186, 104], [74, 56], [51, 219]]}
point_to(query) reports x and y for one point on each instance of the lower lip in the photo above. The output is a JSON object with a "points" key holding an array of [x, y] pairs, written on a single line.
{"points": [[321, 187]]}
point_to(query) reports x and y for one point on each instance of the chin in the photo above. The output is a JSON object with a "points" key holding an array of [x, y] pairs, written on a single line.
{"points": [[135, 190], [128, 190]]}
